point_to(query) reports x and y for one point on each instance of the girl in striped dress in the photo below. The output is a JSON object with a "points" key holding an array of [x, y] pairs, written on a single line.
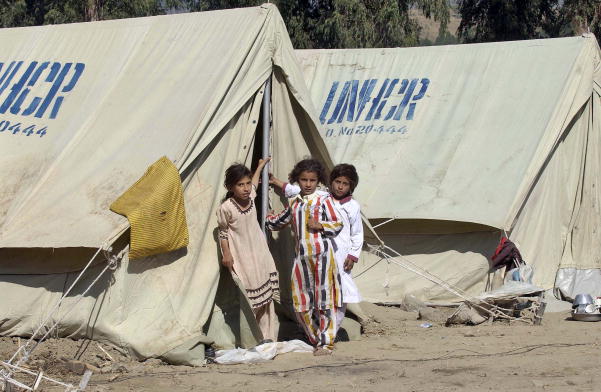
{"points": [[343, 181], [315, 280]]}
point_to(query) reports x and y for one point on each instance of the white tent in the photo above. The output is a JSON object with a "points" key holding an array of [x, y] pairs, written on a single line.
{"points": [[456, 144], [84, 110]]}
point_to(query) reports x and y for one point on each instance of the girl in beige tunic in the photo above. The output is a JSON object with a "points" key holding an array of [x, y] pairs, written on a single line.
{"points": [[244, 247]]}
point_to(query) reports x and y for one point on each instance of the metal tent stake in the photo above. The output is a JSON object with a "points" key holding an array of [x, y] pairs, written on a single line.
{"points": [[10, 383]]}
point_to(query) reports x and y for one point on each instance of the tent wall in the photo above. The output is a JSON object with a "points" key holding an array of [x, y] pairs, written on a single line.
{"points": [[498, 135], [580, 268], [185, 86], [152, 305], [457, 132], [147, 87], [460, 258], [558, 223]]}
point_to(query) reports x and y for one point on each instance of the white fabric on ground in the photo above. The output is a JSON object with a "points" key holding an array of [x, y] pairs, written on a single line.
{"points": [[262, 353]]}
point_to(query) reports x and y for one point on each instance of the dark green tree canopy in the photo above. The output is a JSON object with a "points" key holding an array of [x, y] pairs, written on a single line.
{"points": [[348, 23], [582, 16], [505, 20], [311, 23], [15, 13]]}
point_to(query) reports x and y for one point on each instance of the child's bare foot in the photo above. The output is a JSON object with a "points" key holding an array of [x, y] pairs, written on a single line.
{"points": [[320, 351]]}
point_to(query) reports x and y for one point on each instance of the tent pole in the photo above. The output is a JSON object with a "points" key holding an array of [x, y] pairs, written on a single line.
{"points": [[265, 152]]}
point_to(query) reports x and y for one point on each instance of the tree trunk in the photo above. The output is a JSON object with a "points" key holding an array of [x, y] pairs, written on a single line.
{"points": [[93, 10]]}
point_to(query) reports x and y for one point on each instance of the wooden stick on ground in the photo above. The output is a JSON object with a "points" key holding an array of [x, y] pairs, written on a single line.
{"points": [[104, 351]]}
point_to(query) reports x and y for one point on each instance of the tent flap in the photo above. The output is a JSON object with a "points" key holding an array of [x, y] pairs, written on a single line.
{"points": [[132, 91], [154, 207], [184, 86]]}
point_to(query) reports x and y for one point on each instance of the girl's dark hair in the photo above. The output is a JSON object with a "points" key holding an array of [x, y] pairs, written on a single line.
{"points": [[348, 171], [309, 165], [233, 174]]}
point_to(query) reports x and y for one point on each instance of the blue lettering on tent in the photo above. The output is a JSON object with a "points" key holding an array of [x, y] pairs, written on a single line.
{"points": [[16, 128], [342, 104], [37, 88], [350, 100], [396, 99], [328, 103]]}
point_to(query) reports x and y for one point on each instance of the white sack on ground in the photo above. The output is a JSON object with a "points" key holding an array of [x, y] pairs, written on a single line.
{"points": [[262, 353]]}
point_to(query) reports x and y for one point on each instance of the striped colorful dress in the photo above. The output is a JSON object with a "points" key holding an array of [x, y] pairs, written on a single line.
{"points": [[315, 281]]}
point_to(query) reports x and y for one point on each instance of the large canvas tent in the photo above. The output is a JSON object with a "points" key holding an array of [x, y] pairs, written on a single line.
{"points": [[456, 145], [86, 108]]}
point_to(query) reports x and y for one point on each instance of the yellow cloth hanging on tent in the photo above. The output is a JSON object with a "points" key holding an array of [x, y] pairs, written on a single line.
{"points": [[154, 206]]}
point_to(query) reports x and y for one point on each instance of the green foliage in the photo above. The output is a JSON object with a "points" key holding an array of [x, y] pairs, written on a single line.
{"points": [[446, 38], [502, 20], [311, 23], [38, 12], [439, 10], [208, 5], [347, 23], [443, 38], [505, 20], [582, 16], [359, 23]]}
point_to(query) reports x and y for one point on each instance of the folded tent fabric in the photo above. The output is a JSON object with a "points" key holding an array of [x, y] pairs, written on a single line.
{"points": [[154, 207]]}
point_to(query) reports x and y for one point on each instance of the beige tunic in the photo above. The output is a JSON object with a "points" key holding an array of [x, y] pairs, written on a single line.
{"points": [[253, 262]]}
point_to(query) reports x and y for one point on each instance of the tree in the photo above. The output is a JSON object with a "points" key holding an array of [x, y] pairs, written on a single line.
{"points": [[582, 16], [39, 12], [362, 23], [347, 23], [446, 38], [505, 20], [311, 23]]}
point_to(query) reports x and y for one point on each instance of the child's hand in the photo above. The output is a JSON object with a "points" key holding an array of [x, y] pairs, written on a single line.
{"points": [[348, 264], [256, 179], [227, 261], [314, 225], [263, 162], [276, 182]]}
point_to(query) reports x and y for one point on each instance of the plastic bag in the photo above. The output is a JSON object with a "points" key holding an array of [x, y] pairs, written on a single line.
{"points": [[522, 273], [412, 304]]}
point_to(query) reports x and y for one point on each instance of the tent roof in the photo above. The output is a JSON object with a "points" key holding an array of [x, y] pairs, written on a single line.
{"points": [[117, 95], [484, 120]]}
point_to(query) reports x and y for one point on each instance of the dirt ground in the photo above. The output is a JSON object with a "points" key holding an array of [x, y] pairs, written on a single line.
{"points": [[394, 354]]}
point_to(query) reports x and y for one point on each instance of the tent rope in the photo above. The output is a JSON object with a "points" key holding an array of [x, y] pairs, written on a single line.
{"points": [[112, 263], [26, 354], [58, 304], [494, 311]]}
